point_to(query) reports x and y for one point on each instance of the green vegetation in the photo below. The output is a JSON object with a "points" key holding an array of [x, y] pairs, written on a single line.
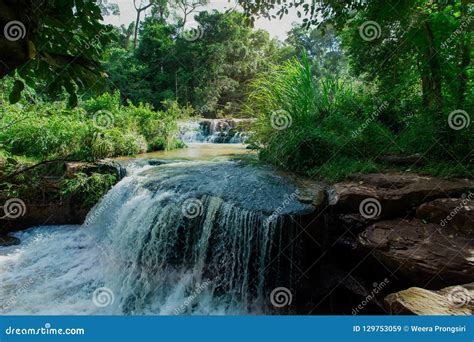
{"points": [[357, 81], [208, 69], [99, 128], [400, 86], [88, 189]]}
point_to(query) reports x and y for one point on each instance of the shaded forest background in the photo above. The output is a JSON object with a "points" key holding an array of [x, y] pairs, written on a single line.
{"points": [[353, 83]]}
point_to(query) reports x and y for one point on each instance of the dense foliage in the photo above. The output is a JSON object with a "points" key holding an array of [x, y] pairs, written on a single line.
{"points": [[99, 128], [209, 69]]}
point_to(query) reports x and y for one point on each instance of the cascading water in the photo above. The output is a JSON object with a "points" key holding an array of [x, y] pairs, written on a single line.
{"points": [[228, 131], [178, 238]]}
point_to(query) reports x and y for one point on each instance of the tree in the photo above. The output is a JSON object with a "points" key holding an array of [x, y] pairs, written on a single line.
{"points": [[56, 42], [187, 7]]}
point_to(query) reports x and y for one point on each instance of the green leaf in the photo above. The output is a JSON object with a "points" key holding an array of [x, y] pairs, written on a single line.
{"points": [[15, 95]]}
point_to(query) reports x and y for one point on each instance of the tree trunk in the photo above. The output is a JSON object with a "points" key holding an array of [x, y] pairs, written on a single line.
{"points": [[137, 23], [434, 86], [465, 58]]}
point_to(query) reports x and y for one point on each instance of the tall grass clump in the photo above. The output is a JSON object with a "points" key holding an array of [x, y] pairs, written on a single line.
{"points": [[318, 127]]}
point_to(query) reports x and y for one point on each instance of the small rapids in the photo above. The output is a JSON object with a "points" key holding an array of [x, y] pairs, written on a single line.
{"points": [[174, 239], [216, 131]]}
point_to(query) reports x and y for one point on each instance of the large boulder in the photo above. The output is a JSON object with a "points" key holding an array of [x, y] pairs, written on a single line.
{"points": [[454, 300], [455, 213], [422, 253], [397, 193]]}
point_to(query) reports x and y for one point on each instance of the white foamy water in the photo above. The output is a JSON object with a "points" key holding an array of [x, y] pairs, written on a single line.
{"points": [[180, 238]]}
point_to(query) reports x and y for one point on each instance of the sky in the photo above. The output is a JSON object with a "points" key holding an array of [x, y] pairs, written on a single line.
{"points": [[277, 28]]}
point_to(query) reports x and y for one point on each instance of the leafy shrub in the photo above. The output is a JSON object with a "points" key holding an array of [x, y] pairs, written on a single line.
{"points": [[87, 189], [100, 128]]}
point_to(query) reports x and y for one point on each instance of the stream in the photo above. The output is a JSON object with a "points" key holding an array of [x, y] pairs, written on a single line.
{"points": [[195, 231]]}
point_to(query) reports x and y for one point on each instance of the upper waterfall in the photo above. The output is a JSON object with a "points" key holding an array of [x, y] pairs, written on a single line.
{"points": [[217, 131]]}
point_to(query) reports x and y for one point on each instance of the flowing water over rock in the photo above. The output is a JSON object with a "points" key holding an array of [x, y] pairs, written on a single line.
{"points": [[183, 237], [217, 131]]}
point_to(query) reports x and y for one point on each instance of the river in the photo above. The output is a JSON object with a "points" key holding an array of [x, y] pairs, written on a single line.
{"points": [[193, 231]]}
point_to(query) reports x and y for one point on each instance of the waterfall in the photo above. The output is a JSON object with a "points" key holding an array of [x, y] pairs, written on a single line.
{"points": [[178, 238], [217, 131]]}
